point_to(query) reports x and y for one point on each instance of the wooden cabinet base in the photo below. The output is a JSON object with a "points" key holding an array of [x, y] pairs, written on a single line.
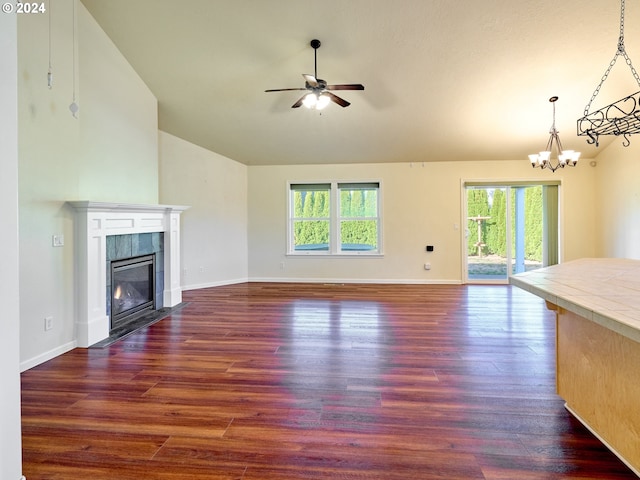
{"points": [[598, 375]]}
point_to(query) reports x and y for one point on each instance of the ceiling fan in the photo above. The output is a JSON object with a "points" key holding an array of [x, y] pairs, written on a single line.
{"points": [[319, 93]]}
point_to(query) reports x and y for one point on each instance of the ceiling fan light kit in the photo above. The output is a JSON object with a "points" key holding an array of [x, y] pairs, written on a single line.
{"points": [[319, 93], [621, 118], [316, 101]]}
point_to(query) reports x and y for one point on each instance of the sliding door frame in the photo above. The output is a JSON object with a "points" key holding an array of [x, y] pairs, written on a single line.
{"points": [[465, 183]]}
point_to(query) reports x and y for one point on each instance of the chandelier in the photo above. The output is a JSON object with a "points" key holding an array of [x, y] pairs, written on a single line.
{"points": [[564, 157]]}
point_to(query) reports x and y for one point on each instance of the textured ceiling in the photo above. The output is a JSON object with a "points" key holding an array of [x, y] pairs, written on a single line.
{"points": [[444, 79]]}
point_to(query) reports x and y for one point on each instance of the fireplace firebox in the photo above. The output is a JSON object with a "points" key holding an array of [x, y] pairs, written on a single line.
{"points": [[132, 288]]}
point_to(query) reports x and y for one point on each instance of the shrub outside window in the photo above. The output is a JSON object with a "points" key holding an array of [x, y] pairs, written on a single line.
{"points": [[311, 217], [334, 218], [359, 217]]}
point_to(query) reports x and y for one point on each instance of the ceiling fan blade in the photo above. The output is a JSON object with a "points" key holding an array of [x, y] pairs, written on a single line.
{"points": [[284, 89], [299, 102], [336, 99], [311, 80], [348, 86]]}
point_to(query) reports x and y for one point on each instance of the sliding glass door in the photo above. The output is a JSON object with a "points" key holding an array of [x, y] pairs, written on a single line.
{"points": [[510, 228]]}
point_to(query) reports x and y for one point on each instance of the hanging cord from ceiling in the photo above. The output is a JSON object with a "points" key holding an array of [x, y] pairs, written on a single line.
{"points": [[74, 107], [50, 71]]}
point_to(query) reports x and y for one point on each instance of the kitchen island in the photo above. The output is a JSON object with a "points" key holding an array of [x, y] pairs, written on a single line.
{"points": [[597, 305]]}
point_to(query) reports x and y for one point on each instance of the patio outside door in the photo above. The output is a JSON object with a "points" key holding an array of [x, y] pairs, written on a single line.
{"points": [[509, 229]]}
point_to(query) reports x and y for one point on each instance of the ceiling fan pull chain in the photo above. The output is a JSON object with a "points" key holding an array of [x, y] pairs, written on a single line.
{"points": [[620, 51]]}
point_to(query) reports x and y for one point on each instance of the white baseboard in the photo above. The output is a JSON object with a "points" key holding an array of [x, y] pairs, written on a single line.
{"points": [[46, 356], [214, 284], [321, 280], [389, 281]]}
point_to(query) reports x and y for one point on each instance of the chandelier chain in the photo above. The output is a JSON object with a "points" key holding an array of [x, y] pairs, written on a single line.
{"points": [[620, 51]]}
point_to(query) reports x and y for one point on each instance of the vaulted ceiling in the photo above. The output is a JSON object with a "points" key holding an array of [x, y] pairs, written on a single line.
{"points": [[444, 79]]}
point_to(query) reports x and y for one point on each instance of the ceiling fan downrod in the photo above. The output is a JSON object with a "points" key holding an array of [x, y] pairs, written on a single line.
{"points": [[315, 44]]}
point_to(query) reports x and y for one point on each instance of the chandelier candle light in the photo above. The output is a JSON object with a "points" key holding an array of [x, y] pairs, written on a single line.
{"points": [[565, 157]]}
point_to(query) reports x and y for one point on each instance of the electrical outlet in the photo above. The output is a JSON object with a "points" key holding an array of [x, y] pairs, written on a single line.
{"points": [[57, 240], [48, 323], [427, 266]]}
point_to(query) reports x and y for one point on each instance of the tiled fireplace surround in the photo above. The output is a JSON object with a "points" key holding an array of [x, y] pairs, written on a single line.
{"points": [[96, 221]]}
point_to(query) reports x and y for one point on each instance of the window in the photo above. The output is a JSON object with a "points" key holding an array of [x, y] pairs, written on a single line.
{"points": [[358, 216], [311, 217], [334, 218]]}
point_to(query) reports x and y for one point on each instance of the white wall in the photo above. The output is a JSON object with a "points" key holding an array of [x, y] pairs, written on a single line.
{"points": [[618, 205], [118, 123], [421, 205], [10, 434], [214, 229], [109, 153]]}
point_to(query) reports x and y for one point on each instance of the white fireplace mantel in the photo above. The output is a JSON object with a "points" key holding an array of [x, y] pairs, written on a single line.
{"points": [[94, 222]]}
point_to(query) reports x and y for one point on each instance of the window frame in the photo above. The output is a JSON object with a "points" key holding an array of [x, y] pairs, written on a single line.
{"points": [[335, 219]]}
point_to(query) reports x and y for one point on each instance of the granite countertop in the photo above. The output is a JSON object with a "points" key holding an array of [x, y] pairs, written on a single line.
{"points": [[604, 290]]}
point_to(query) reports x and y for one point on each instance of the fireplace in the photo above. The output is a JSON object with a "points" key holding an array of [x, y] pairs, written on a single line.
{"points": [[132, 289], [96, 223], [134, 276]]}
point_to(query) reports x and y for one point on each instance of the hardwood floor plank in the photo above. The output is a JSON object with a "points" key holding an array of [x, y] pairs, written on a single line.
{"points": [[116, 445], [312, 381]]}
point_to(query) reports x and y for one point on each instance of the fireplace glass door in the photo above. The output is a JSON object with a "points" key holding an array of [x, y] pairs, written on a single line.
{"points": [[132, 288]]}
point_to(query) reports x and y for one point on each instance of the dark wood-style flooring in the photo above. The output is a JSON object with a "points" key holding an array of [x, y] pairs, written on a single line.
{"points": [[308, 381]]}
